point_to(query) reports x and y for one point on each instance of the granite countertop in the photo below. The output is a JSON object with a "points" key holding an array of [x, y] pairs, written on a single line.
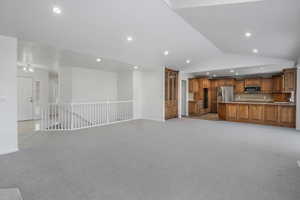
{"points": [[261, 103]]}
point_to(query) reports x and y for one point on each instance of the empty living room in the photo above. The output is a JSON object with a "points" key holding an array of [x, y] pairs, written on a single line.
{"points": [[150, 100]]}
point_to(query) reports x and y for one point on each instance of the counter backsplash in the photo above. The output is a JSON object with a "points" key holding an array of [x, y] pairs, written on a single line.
{"points": [[253, 97]]}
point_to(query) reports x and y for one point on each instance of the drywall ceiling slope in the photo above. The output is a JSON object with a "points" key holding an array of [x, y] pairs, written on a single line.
{"points": [[232, 61], [196, 3], [52, 59], [274, 25], [100, 28]]}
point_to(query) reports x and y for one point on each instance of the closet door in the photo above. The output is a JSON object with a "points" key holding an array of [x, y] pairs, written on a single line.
{"points": [[171, 94]]}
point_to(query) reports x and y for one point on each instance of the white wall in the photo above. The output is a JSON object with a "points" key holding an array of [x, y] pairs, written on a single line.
{"points": [[8, 95], [125, 85], [137, 94], [93, 85], [152, 86]]}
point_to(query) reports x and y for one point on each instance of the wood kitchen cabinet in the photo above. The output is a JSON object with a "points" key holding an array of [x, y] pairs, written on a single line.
{"points": [[252, 82], [229, 82], [289, 80], [231, 111], [205, 83], [239, 86], [270, 114], [286, 116], [277, 83], [243, 112], [256, 113], [193, 85], [267, 85], [222, 111]]}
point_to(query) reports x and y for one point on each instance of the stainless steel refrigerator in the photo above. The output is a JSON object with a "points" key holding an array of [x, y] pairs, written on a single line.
{"points": [[225, 94]]}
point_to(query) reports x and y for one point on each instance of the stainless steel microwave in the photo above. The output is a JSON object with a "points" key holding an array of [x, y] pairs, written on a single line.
{"points": [[252, 89]]}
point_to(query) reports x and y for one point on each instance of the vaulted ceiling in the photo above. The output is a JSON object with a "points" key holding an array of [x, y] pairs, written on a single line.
{"points": [[274, 25], [209, 33]]}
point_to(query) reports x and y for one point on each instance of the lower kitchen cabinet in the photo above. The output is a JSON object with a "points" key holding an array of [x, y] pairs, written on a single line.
{"points": [[271, 114], [256, 113], [231, 113], [243, 112], [286, 116], [278, 115]]}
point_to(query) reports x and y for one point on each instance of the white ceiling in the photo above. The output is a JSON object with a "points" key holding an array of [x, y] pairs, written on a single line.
{"points": [[100, 28], [274, 25], [51, 58]]}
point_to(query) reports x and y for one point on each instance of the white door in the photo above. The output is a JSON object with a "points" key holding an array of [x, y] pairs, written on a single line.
{"points": [[25, 99]]}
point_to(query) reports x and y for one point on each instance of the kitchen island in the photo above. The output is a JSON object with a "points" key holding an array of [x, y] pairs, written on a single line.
{"points": [[268, 113]]}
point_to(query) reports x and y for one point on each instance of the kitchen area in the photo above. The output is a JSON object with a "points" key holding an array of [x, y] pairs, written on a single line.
{"points": [[260, 98]]}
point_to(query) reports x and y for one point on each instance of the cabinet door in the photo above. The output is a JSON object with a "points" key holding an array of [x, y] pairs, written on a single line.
{"points": [[243, 112], [277, 83], [271, 114], [256, 113], [253, 82], [191, 86], [222, 111], [195, 85], [267, 85], [239, 87], [231, 111], [289, 80], [287, 115]]}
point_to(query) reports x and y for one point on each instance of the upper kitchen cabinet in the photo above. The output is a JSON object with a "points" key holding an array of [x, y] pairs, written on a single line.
{"points": [[205, 83], [267, 85], [239, 86], [289, 80], [193, 85], [252, 82], [277, 83], [229, 82]]}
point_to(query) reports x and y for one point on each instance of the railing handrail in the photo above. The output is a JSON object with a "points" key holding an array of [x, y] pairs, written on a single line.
{"points": [[78, 115], [93, 102]]}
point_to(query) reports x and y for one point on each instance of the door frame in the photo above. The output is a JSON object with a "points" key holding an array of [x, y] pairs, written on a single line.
{"points": [[32, 92]]}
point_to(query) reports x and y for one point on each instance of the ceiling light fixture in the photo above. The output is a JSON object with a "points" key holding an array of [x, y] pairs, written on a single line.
{"points": [[56, 10], [236, 74], [248, 34], [98, 59], [136, 67], [255, 50], [214, 75], [166, 53], [188, 61], [129, 38]]}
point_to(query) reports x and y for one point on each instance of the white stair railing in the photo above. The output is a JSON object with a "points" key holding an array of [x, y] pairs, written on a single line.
{"points": [[73, 116]]}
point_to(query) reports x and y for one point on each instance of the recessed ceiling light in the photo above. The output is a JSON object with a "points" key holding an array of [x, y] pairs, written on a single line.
{"points": [[255, 50], [136, 67], [56, 10], [166, 53], [129, 38], [98, 59], [207, 73], [214, 75], [30, 69], [231, 70], [188, 61], [248, 34]]}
